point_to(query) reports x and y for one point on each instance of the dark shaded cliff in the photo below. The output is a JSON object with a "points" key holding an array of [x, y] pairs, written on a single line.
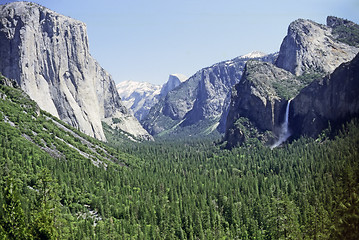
{"points": [[334, 99], [258, 103]]}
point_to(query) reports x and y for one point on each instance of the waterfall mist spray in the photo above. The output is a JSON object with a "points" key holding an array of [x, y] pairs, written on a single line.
{"points": [[284, 132]]}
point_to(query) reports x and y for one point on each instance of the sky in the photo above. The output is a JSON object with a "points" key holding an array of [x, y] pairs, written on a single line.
{"points": [[146, 40]]}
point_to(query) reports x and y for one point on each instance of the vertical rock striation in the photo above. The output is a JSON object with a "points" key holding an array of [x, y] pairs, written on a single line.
{"points": [[48, 55]]}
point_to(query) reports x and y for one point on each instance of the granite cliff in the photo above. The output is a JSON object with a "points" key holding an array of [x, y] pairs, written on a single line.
{"points": [[48, 55], [313, 47], [308, 53], [174, 80], [258, 102]]}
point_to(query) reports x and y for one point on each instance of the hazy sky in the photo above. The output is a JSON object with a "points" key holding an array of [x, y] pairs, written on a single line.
{"points": [[146, 40]]}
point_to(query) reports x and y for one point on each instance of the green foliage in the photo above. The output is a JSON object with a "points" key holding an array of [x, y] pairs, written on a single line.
{"points": [[169, 190], [308, 77], [286, 90], [250, 132], [46, 207], [116, 120], [13, 218], [347, 210], [194, 132], [348, 34]]}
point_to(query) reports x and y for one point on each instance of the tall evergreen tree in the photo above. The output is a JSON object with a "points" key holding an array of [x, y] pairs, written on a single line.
{"points": [[44, 215], [13, 219]]}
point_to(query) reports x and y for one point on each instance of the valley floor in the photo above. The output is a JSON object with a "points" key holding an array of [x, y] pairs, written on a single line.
{"points": [[307, 189]]}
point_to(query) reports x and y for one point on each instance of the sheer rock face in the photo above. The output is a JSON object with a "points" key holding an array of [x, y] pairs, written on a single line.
{"points": [[331, 99], [310, 46], [204, 97], [258, 102], [48, 55]]}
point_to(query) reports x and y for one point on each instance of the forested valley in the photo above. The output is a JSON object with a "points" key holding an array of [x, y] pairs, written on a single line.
{"points": [[305, 189]]}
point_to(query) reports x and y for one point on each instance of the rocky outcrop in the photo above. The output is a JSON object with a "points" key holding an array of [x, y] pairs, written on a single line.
{"points": [[258, 102], [312, 47], [202, 99], [344, 30], [8, 82], [332, 99], [48, 55]]}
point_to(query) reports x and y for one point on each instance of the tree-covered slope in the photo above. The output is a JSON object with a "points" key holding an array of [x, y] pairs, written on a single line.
{"points": [[47, 168], [305, 190]]}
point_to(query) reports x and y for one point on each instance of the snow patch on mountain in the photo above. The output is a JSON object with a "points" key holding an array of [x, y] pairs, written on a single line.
{"points": [[139, 97], [254, 54]]}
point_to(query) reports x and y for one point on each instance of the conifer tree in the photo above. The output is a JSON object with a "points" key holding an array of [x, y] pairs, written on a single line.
{"points": [[12, 219], [44, 215]]}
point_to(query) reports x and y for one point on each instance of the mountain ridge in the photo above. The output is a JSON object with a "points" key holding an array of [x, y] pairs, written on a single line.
{"points": [[332, 100], [202, 100]]}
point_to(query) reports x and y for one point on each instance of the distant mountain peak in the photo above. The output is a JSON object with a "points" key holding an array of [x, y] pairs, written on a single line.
{"points": [[173, 81], [139, 97], [198, 106], [254, 54], [180, 76]]}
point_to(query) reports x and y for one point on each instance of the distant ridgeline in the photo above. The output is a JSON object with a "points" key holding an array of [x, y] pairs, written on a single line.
{"points": [[198, 107], [139, 97], [47, 54]]}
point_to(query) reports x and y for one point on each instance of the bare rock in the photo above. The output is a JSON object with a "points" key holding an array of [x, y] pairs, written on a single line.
{"points": [[310, 46], [48, 55]]}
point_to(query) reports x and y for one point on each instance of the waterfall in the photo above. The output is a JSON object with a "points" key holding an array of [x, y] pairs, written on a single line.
{"points": [[284, 132]]}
